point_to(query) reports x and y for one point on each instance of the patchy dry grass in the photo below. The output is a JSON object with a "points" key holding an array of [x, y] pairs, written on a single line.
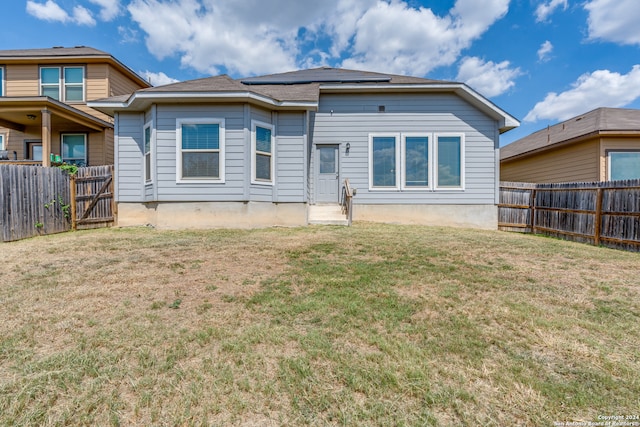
{"points": [[369, 325]]}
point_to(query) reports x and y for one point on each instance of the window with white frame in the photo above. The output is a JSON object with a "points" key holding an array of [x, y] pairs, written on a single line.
{"points": [[63, 83], [262, 146], [416, 161], [623, 164], [2, 142], [416, 170], [200, 150], [1, 81], [74, 149], [450, 161], [147, 153], [384, 160]]}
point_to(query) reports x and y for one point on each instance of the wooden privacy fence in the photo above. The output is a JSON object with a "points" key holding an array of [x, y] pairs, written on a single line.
{"points": [[35, 200], [600, 213]]}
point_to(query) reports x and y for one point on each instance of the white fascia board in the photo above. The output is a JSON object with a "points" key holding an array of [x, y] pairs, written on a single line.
{"points": [[507, 121], [140, 100]]}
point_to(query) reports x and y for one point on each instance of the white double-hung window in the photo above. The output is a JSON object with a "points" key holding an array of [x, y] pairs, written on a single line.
{"points": [[200, 150], [147, 153], [63, 83], [262, 150], [416, 161]]}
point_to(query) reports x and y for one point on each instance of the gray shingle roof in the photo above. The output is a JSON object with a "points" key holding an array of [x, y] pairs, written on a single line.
{"points": [[591, 123], [333, 75], [54, 51]]}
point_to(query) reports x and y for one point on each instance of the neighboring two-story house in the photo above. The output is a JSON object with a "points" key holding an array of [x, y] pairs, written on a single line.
{"points": [[43, 104]]}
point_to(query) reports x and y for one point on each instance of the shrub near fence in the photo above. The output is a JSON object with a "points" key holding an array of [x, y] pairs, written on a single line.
{"points": [[33, 201], [601, 213]]}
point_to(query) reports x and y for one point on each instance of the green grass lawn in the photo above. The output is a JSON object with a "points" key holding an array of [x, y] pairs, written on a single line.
{"points": [[368, 325]]}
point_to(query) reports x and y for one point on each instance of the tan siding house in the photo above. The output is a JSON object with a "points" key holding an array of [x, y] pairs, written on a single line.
{"points": [[43, 104], [601, 145]]}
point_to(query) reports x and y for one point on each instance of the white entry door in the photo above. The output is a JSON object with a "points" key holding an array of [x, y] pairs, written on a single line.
{"points": [[327, 174]]}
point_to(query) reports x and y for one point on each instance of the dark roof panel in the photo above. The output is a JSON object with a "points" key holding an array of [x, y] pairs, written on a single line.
{"points": [[317, 75]]}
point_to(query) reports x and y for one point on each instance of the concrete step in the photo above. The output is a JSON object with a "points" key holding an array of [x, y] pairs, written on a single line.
{"points": [[327, 214]]}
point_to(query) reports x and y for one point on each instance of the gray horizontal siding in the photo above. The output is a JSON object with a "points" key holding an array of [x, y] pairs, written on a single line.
{"points": [[129, 164], [351, 118], [289, 156]]}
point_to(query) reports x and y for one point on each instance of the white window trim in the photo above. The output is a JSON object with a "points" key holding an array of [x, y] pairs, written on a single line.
{"points": [[254, 180], [609, 152], [3, 78], [60, 77], [62, 84], [144, 154], [462, 161], [3, 138], [84, 135], [200, 121], [403, 168], [398, 177]]}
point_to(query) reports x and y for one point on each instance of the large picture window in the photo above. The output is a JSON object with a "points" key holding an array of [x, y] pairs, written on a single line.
{"points": [[383, 161], [147, 153], [624, 165], [262, 148], [74, 149], [449, 154], [200, 150], [64, 84], [416, 159]]}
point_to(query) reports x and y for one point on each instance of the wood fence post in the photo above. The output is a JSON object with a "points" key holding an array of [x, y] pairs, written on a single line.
{"points": [[598, 219], [72, 185], [532, 203]]}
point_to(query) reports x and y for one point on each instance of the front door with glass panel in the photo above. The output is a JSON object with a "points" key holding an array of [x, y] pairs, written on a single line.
{"points": [[327, 176]]}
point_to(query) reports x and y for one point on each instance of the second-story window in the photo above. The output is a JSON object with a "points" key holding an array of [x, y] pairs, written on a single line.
{"points": [[64, 84], [1, 81]]}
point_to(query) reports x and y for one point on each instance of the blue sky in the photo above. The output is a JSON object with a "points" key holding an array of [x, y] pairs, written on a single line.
{"points": [[542, 61]]}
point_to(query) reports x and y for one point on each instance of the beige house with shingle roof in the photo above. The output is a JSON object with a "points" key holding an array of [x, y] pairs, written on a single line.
{"points": [[43, 103], [601, 145]]}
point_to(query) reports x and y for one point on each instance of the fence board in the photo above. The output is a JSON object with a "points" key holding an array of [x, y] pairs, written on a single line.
{"points": [[600, 213]]}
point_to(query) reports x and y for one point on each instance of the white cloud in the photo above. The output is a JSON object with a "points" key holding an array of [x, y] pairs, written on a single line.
{"points": [[397, 38], [157, 79], [110, 9], [212, 36], [50, 11], [614, 20], [545, 9], [545, 50], [602, 88], [488, 78], [82, 16]]}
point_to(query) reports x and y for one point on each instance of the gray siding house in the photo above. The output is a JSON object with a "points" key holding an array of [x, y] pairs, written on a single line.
{"points": [[262, 151]]}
